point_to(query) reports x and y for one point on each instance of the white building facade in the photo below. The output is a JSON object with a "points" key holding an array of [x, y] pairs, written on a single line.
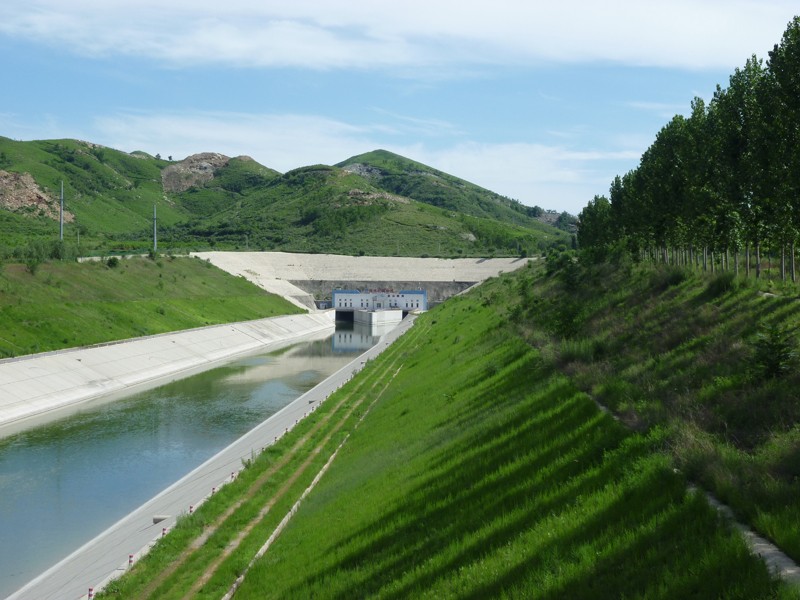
{"points": [[380, 299]]}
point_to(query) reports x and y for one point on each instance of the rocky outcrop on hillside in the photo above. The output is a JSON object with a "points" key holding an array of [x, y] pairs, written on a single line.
{"points": [[366, 171], [193, 171], [367, 196], [20, 193]]}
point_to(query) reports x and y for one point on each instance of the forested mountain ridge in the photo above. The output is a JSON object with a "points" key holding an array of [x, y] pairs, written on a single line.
{"points": [[211, 200], [720, 187]]}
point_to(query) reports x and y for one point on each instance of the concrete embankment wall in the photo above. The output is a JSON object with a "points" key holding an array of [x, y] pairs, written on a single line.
{"points": [[40, 384], [438, 291], [297, 277]]}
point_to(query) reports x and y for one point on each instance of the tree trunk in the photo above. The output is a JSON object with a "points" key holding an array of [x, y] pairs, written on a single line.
{"points": [[769, 262], [758, 259], [792, 259], [747, 260], [783, 262]]}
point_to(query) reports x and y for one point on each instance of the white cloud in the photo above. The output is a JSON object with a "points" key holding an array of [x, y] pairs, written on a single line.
{"points": [[410, 34], [417, 126]]}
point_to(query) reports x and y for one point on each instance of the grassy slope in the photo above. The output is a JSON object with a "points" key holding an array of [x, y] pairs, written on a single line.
{"points": [[325, 209], [238, 179], [108, 191], [400, 175], [480, 472], [71, 304], [670, 347]]}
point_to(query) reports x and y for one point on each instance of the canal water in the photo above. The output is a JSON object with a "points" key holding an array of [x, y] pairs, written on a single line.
{"points": [[64, 482]]}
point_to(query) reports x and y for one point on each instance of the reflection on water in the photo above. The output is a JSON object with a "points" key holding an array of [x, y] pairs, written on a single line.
{"points": [[63, 483], [355, 337]]}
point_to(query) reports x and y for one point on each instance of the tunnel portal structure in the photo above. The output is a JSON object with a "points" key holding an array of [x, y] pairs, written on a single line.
{"points": [[348, 301], [307, 280]]}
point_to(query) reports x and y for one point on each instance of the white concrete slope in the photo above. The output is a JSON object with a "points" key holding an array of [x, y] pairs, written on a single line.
{"points": [[274, 270], [33, 385]]}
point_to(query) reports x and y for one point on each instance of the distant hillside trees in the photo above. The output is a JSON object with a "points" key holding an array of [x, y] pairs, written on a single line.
{"points": [[720, 186]]}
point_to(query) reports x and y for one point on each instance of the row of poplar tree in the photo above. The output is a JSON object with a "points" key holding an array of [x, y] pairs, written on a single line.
{"points": [[721, 187]]}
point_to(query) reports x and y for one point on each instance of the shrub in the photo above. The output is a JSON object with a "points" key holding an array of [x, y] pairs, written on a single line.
{"points": [[774, 352], [667, 277], [721, 284], [581, 350], [112, 262], [32, 264]]}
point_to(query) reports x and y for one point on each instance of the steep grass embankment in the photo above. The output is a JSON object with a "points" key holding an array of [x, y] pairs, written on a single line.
{"points": [[62, 305], [481, 471], [709, 356]]}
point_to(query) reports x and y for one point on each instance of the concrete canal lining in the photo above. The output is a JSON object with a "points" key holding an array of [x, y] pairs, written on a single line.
{"points": [[40, 385]]}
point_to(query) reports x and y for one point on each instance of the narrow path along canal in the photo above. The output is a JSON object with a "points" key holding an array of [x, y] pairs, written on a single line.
{"points": [[64, 482]]}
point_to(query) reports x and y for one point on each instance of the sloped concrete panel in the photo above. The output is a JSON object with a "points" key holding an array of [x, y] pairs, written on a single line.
{"points": [[40, 383]]}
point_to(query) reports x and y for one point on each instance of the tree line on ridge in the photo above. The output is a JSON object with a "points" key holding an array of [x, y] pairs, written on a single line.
{"points": [[719, 188]]}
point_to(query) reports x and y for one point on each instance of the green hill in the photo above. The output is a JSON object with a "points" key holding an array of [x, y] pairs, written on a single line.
{"points": [[68, 304], [405, 177], [329, 209], [210, 200], [107, 191]]}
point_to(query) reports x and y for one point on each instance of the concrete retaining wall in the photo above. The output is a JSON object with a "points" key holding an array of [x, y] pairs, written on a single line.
{"points": [[297, 276], [378, 317], [40, 384], [438, 291]]}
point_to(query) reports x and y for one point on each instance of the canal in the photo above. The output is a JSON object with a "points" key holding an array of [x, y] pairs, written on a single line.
{"points": [[64, 482]]}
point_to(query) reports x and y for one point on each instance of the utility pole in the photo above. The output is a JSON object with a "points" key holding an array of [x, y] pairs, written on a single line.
{"points": [[155, 231], [61, 215]]}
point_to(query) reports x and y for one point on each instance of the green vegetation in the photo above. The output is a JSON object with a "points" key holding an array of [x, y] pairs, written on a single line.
{"points": [[404, 177], [476, 467], [326, 209], [60, 304], [705, 339], [107, 190], [240, 204], [720, 185], [712, 357]]}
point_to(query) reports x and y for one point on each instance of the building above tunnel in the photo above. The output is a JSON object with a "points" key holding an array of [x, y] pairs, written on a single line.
{"points": [[379, 299]]}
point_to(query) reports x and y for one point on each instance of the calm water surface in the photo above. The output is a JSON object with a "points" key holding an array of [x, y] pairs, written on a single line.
{"points": [[63, 483]]}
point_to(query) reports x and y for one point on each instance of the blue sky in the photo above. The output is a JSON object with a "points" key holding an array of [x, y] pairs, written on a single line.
{"points": [[540, 101]]}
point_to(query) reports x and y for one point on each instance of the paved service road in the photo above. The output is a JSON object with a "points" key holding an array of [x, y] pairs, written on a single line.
{"points": [[106, 556]]}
